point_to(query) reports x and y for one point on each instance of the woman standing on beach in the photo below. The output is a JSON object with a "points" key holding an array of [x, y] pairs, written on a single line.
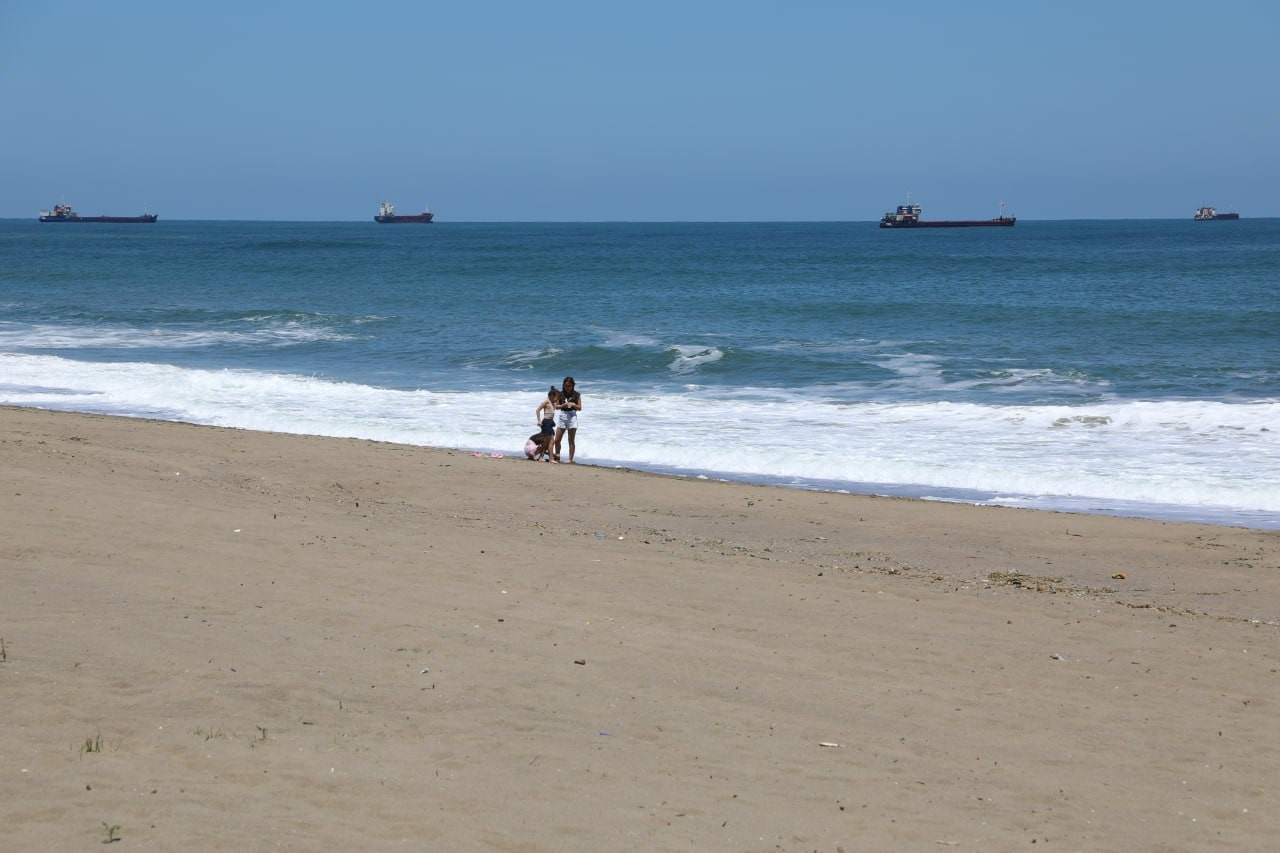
{"points": [[567, 408]]}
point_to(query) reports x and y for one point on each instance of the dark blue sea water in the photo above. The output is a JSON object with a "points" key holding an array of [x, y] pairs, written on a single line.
{"points": [[1127, 367]]}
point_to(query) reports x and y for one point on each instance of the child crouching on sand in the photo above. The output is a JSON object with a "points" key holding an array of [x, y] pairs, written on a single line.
{"points": [[538, 447]]}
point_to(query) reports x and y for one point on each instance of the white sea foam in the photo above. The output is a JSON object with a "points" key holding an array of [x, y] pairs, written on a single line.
{"points": [[526, 358], [278, 332], [1208, 459], [691, 357], [914, 366], [621, 340]]}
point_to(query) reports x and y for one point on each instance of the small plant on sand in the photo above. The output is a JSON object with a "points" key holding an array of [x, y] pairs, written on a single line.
{"points": [[92, 744], [208, 734], [1018, 579], [112, 832], [4, 653]]}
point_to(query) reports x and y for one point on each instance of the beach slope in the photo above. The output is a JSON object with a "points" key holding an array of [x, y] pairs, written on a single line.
{"points": [[216, 639]]}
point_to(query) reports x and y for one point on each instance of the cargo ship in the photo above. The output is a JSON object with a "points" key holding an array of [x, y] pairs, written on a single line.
{"points": [[1206, 214], [64, 213], [387, 213], [908, 216]]}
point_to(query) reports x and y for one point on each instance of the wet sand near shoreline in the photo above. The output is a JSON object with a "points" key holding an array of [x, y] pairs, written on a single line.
{"points": [[219, 639]]}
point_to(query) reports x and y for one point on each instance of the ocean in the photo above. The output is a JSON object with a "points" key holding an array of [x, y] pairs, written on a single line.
{"points": [[1117, 367]]}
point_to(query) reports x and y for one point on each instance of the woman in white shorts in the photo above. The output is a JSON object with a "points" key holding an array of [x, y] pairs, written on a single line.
{"points": [[567, 408]]}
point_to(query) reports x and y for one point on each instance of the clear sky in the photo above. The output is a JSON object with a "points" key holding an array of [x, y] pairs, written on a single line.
{"points": [[670, 111]]}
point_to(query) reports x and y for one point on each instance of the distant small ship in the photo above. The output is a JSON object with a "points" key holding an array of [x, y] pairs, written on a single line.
{"points": [[387, 213], [908, 216], [1206, 214], [64, 213]]}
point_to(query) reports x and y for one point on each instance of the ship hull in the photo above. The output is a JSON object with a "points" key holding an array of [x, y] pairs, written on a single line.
{"points": [[1004, 221], [145, 218], [398, 218]]}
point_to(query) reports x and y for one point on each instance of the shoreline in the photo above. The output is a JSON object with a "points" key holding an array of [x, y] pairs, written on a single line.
{"points": [[1066, 505], [220, 638], [1232, 517]]}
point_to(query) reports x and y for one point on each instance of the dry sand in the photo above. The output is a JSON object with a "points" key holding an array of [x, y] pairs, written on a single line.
{"points": [[224, 640]]}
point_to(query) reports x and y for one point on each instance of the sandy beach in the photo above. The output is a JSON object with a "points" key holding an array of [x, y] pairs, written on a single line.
{"points": [[216, 639]]}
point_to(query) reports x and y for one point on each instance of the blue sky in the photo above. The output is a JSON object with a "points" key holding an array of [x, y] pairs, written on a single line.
{"points": [[669, 111]]}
